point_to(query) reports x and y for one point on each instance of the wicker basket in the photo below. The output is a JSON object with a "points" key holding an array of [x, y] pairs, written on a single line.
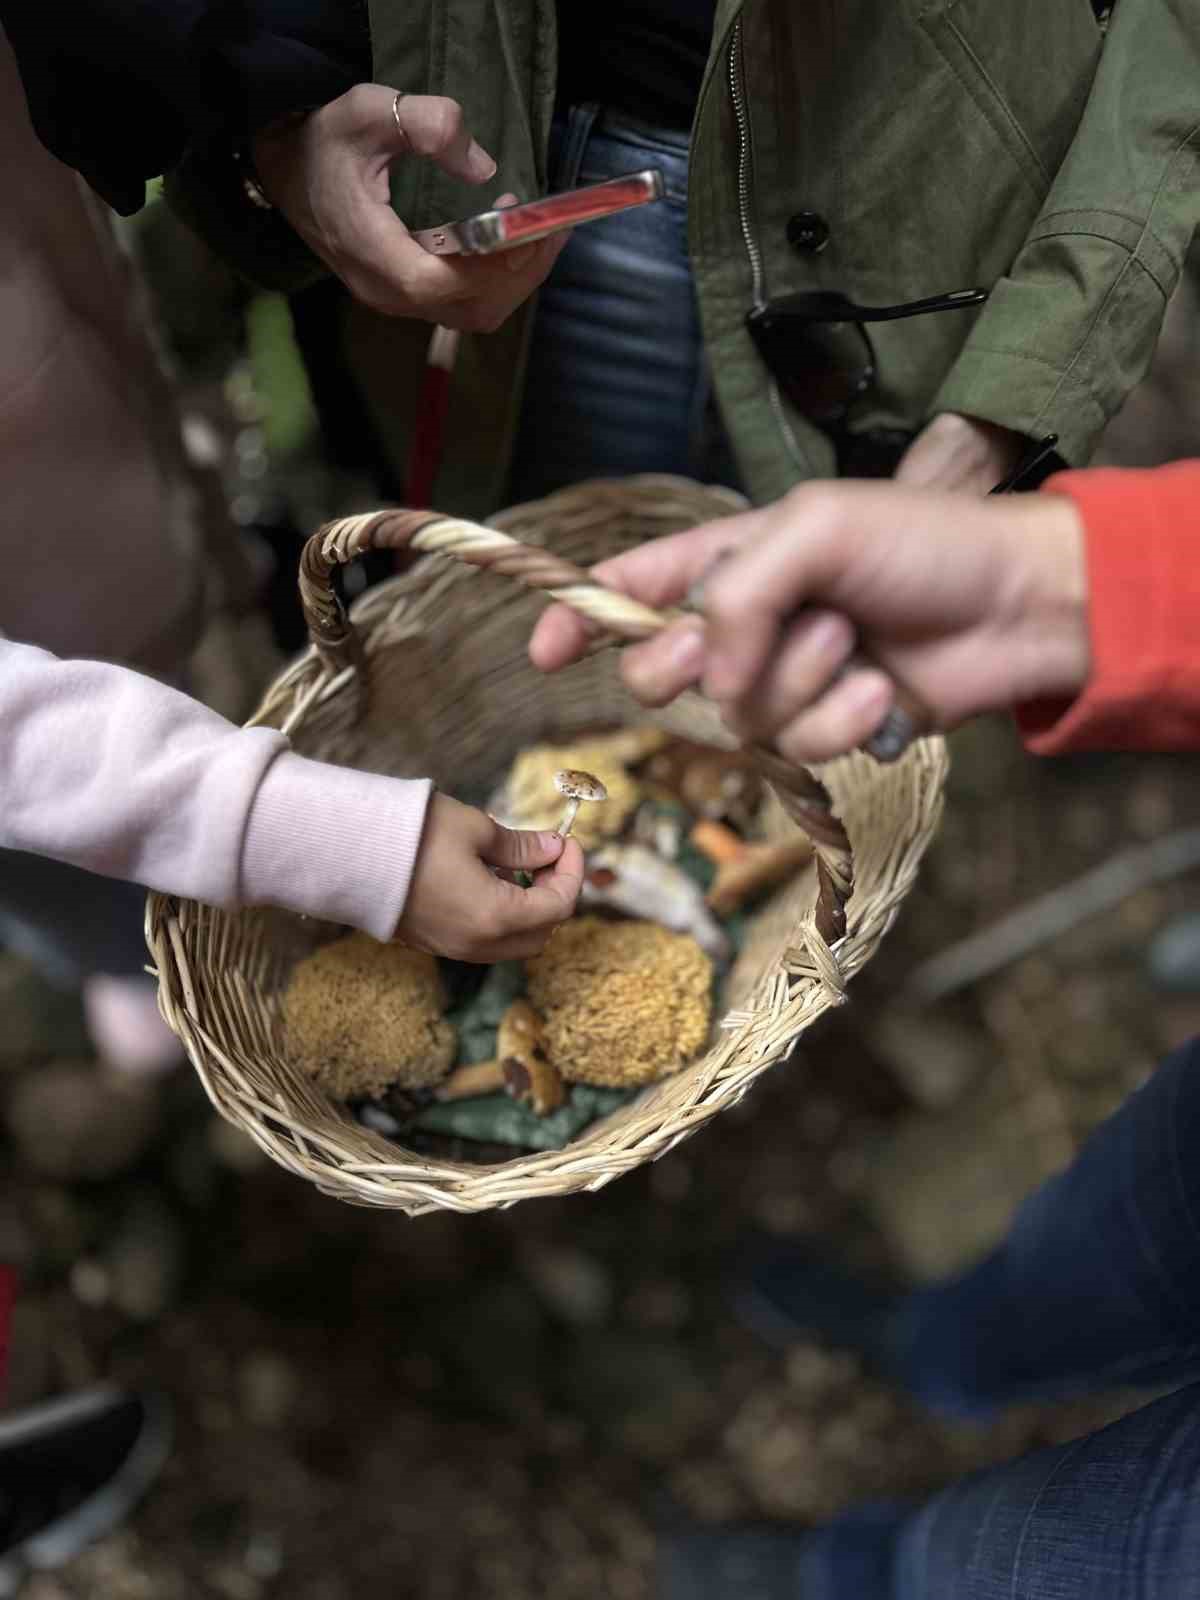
{"points": [[432, 678]]}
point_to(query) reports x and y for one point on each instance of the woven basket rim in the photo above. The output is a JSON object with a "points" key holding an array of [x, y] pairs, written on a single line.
{"points": [[319, 1141]]}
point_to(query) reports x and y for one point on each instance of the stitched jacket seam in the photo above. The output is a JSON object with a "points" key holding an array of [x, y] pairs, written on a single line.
{"points": [[992, 107], [1122, 276]]}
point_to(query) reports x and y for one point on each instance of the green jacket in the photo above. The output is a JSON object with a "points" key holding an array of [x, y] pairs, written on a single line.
{"points": [[945, 143]]}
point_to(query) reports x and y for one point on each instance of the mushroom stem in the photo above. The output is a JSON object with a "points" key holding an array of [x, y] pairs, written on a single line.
{"points": [[759, 867], [568, 817], [719, 843], [481, 1077], [521, 1068]]}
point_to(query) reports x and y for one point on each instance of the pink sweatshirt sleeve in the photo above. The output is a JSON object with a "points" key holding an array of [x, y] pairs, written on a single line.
{"points": [[109, 770]]}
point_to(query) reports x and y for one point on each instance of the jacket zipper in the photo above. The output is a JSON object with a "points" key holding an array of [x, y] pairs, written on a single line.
{"points": [[757, 276], [738, 96]]}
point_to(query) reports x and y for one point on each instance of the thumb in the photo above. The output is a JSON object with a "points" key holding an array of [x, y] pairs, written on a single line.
{"points": [[521, 850], [431, 125]]}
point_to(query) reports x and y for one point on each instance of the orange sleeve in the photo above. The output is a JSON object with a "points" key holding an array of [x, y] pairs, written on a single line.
{"points": [[1142, 538]]}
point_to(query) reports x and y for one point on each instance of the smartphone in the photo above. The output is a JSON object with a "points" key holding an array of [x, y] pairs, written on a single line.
{"points": [[510, 226]]}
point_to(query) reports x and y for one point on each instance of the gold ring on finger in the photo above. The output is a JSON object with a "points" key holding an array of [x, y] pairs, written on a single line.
{"points": [[400, 94]]}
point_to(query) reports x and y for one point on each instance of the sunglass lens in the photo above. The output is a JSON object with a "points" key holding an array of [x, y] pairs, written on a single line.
{"points": [[822, 367]]}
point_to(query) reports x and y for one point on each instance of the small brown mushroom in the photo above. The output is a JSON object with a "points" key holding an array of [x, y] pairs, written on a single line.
{"points": [[722, 784], [719, 843], [576, 786], [710, 786], [529, 1075], [521, 1067], [759, 867]]}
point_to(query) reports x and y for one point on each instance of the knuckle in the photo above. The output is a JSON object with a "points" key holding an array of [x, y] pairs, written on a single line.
{"points": [[820, 505], [490, 318], [446, 121], [360, 102], [478, 316], [490, 924], [722, 598]]}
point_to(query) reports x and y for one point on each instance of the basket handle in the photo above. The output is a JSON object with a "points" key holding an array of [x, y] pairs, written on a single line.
{"points": [[339, 647]]}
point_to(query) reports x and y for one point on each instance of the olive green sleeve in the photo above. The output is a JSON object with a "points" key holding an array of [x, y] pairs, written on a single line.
{"points": [[1072, 327]]}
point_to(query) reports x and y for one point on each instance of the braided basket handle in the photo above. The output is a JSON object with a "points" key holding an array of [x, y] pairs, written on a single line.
{"points": [[340, 647]]}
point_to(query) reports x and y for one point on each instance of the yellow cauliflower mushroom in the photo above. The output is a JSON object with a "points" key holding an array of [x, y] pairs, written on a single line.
{"points": [[360, 1016], [624, 1003]]}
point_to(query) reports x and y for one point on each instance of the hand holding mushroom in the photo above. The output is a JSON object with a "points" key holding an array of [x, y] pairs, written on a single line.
{"points": [[457, 906]]}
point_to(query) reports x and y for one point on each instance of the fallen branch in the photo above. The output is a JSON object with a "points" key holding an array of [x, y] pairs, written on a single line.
{"points": [[1051, 915]]}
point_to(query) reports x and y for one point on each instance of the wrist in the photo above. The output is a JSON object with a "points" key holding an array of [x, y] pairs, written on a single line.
{"points": [[253, 156], [959, 452], [334, 843], [1050, 597]]}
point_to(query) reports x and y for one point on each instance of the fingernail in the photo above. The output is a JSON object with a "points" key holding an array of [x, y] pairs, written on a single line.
{"points": [[685, 650], [549, 839], [481, 163], [676, 656], [828, 635], [866, 690]]}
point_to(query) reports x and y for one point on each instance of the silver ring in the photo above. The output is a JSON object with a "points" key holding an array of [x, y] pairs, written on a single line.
{"points": [[400, 94]]}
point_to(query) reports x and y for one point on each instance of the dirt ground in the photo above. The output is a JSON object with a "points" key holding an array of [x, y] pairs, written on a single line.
{"points": [[505, 1407]]}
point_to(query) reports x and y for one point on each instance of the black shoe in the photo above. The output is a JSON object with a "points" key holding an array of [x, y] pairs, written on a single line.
{"points": [[70, 1471], [783, 1292]]}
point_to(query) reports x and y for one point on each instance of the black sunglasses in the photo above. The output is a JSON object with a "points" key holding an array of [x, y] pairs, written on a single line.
{"points": [[816, 346]]}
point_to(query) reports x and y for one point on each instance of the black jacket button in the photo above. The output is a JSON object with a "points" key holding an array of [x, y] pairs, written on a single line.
{"points": [[808, 232]]}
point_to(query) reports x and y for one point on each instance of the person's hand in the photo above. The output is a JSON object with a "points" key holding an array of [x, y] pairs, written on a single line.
{"points": [[972, 604], [458, 907], [956, 452], [328, 175]]}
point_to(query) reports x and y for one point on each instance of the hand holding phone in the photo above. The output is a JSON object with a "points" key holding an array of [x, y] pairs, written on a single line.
{"points": [[505, 228], [328, 176]]}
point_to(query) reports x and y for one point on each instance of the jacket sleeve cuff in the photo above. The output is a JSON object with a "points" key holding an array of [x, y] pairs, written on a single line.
{"points": [[1142, 537], [333, 843], [1040, 358]]}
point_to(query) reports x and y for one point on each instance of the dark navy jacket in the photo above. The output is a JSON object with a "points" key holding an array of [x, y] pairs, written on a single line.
{"points": [[119, 89]]}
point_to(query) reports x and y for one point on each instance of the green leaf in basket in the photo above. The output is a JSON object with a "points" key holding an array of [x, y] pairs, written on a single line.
{"points": [[478, 1019], [698, 867], [495, 1119]]}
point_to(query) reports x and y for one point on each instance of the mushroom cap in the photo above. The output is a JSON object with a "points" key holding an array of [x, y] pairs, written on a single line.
{"points": [[574, 784]]}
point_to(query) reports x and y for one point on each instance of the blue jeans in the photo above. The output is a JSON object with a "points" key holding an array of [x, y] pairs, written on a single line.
{"points": [[1096, 1285], [616, 381]]}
